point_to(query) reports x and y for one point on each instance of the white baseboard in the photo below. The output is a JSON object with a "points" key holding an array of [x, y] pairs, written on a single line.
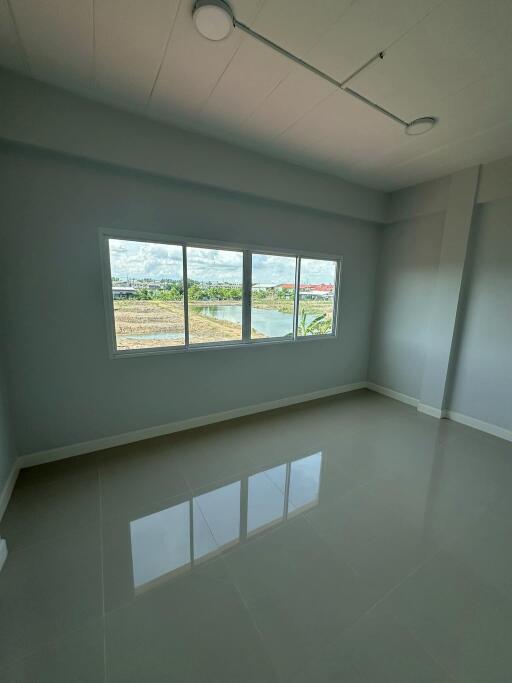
{"points": [[8, 487], [172, 427], [3, 552], [431, 410], [393, 394], [71, 450], [487, 427]]}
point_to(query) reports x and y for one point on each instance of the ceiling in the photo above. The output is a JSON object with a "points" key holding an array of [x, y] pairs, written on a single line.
{"points": [[444, 58]]}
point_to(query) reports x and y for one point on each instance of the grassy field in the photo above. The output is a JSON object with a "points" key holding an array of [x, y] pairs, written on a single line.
{"points": [[135, 317], [286, 306]]}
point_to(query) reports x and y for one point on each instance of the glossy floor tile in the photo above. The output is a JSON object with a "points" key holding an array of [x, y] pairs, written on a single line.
{"points": [[349, 540]]}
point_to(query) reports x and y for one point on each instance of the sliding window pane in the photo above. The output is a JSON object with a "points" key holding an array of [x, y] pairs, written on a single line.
{"points": [[147, 293], [215, 279], [272, 296], [316, 297]]}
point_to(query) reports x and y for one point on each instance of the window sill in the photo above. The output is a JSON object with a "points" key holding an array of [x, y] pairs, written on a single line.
{"points": [[253, 343]]}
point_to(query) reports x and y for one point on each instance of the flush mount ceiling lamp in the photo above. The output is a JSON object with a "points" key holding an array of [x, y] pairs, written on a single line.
{"points": [[420, 126], [214, 19]]}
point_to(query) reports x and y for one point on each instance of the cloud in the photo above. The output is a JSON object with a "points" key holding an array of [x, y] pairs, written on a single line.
{"points": [[130, 259], [145, 259]]}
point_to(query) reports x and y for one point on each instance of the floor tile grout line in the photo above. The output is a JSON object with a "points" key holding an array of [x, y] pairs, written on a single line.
{"points": [[253, 621], [423, 646], [442, 547]]}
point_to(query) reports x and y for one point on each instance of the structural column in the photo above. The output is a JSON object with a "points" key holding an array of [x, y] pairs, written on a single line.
{"points": [[446, 301]]}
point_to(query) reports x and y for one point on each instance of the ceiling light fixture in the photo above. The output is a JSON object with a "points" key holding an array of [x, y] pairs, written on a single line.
{"points": [[420, 126], [214, 19]]}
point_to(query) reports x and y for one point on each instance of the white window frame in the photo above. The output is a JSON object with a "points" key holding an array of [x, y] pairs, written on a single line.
{"points": [[247, 250]]}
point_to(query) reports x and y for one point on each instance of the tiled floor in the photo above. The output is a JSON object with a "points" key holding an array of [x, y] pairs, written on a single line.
{"points": [[348, 540]]}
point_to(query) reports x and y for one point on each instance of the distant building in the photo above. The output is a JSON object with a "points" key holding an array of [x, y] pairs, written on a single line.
{"points": [[263, 288], [320, 291], [123, 292]]}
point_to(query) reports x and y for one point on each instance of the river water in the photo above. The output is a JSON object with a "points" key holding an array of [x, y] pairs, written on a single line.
{"points": [[266, 321]]}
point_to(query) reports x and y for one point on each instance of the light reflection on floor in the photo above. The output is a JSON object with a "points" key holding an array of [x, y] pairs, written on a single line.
{"points": [[173, 539]]}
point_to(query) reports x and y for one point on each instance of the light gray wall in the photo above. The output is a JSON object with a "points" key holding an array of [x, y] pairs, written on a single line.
{"points": [[41, 115], [445, 308], [419, 200], [7, 448], [482, 384], [65, 387], [408, 263], [480, 379]]}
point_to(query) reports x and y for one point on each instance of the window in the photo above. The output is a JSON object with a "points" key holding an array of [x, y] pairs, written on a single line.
{"points": [[147, 294], [316, 297], [214, 278], [272, 296], [180, 296]]}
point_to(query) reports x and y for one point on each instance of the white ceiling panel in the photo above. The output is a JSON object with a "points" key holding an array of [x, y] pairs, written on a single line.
{"points": [[193, 65], [134, 33], [298, 25], [365, 29], [249, 78], [294, 97], [494, 143], [454, 46], [57, 36], [446, 58], [11, 51], [482, 106]]}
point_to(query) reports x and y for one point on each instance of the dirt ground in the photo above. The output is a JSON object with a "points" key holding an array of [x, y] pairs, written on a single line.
{"points": [[138, 317], [134, 317]]}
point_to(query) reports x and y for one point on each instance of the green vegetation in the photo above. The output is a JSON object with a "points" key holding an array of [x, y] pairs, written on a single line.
{"points": [[319, 325], [173, 291]]}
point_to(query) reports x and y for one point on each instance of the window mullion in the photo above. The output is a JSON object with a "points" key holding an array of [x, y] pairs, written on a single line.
{"points": [[185, 295], [246, 296], [296, 299]]}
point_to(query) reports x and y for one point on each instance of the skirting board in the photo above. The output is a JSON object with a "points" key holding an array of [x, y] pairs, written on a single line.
{"points": [[393, 394], [432, 411], [160, 430], [486, 427]]}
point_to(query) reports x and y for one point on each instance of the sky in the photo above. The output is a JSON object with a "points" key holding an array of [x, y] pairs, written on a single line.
{"points": [[129, 259]]}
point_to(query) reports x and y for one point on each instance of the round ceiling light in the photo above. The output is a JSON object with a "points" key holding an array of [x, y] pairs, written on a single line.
{"points": [[213, 19], [420, 126]]}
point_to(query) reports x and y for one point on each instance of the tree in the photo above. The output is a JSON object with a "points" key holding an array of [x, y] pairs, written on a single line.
{"points": [[319, 325]]}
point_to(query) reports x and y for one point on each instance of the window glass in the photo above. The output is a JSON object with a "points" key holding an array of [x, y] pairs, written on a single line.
{"points": [[147, 292], [215, 278], [316, 297], [272, 295]]}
